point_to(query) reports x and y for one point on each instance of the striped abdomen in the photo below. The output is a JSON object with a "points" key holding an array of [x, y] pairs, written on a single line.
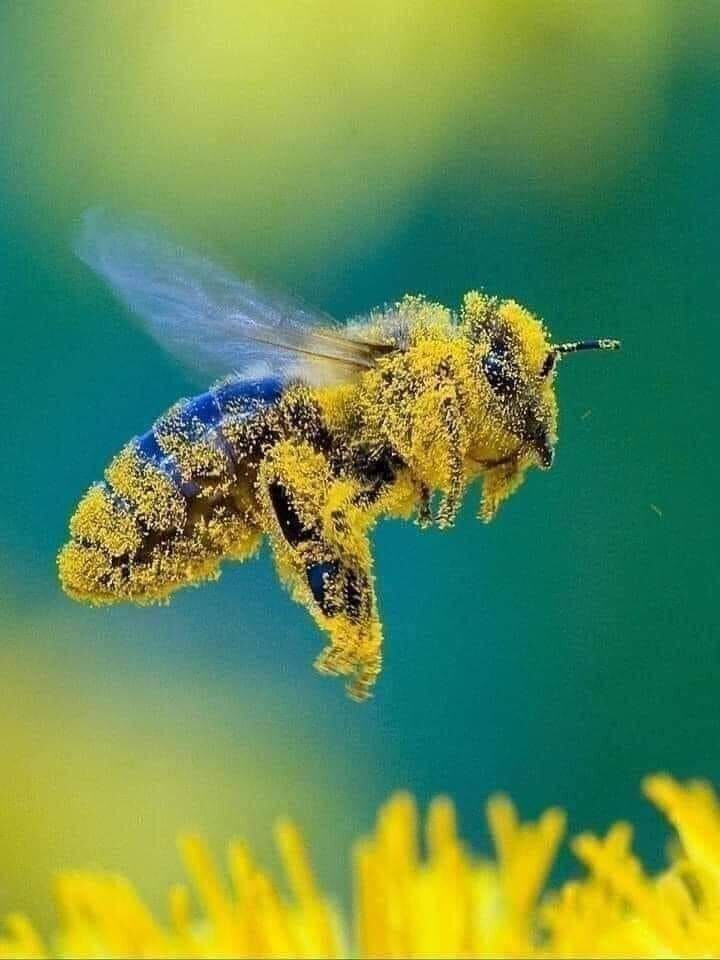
{"points": [[175, 501]]}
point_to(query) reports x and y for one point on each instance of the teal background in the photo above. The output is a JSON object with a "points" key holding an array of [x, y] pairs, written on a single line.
{"points": [[564, 155]]}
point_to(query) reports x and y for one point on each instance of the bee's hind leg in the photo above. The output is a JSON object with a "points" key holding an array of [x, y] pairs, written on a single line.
{"points": [[344, 593], [322, 553]]}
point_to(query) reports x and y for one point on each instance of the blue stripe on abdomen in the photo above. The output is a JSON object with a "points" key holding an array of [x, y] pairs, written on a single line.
{"points": [[149, 447], [203, 409], [205, 412], [251, 393]]}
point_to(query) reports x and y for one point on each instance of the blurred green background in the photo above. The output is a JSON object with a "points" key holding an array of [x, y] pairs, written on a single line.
{"points": [[563, 153]]}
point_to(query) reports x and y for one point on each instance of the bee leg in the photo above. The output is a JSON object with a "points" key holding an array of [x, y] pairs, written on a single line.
{"points": [[343, 591], [499, 483], [318, 537], [450, 505], [424, 518]]}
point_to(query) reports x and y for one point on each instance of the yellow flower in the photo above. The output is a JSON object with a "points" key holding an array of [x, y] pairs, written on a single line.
{"points": [[443, 902]]}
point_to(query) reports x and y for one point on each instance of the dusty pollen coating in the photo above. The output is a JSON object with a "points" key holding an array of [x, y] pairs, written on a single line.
{"points": [[312, 469]]}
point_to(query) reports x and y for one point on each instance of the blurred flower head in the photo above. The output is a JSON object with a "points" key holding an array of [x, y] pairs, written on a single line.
{"points": [[441, 902]]}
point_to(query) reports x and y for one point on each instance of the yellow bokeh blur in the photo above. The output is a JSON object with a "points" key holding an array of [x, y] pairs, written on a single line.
{"points": [[309, 127], [106, 758]]}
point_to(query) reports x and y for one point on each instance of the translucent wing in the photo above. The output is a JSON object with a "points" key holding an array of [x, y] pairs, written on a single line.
{"points": [[208, 319]]}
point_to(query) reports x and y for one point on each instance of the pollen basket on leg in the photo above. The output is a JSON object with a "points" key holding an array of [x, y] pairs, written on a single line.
{"points": [[319, 539]]}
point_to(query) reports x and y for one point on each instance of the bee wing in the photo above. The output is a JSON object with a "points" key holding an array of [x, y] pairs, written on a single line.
{"points": [[208, 319]]}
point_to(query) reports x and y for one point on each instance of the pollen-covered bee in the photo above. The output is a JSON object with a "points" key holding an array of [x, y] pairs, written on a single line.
{"points": [[321, 430]]}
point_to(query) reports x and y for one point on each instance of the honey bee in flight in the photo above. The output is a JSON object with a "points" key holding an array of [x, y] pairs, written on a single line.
{"points": [[315, 432]]}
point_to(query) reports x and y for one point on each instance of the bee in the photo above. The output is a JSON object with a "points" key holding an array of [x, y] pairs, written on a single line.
{"points": [[314, 432]]}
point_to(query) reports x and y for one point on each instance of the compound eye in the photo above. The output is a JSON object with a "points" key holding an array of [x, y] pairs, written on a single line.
{"points": [[499, 369]]}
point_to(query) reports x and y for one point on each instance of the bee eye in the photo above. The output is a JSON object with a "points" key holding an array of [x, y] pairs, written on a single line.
{"points": [[499, 370]]}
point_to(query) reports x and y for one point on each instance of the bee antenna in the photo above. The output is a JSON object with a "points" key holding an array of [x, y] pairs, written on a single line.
{"points": [[578, 345]]}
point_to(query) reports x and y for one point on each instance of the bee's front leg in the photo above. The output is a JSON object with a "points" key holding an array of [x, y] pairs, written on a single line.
{"points": [[318, 536]]}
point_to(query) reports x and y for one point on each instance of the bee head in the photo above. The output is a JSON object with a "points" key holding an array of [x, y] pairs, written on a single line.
{"points": [[515, 364]]}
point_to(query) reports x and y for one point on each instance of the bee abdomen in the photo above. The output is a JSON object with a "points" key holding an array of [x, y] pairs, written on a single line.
{"points": [[194, 442], [173, 503]]}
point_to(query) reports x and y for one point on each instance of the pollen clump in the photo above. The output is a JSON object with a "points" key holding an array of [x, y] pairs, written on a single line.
{"points": [[414, 899], [315, 523]]}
